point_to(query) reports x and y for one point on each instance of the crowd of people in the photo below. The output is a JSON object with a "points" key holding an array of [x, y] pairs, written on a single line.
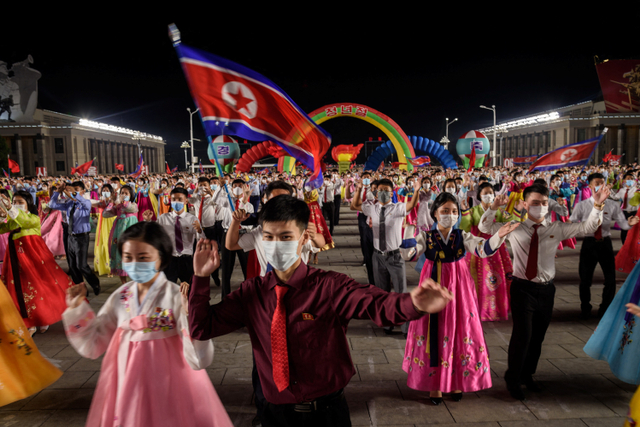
{"points": [[484, 241]]}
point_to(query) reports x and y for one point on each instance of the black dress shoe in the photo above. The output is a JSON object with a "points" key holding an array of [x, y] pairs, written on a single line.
{"points": [[532, 386], [96, 289], [516, 393], [436, 400], [388, 331], [457, 397]]}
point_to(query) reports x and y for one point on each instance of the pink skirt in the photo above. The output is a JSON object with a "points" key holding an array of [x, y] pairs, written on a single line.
{"points": [[462, 362], [159, 389]]}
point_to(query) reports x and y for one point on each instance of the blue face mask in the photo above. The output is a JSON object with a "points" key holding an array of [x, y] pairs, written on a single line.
{"points": [[141, 272], [629, 183], [598, 188], [177, 206], [214, 187], [366, 181], [125, 198]]}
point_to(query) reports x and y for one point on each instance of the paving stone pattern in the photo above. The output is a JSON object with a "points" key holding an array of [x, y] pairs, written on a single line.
{"points": [[578, 391]]}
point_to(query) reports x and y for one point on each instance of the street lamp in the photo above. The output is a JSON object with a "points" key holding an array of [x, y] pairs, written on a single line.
{"points": [[493, 158], [191, 133], [186, 145], [448, 123], [445, 139]]}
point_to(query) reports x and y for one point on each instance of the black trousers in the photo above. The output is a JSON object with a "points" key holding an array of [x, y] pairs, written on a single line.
{"points": [[623, 233], [366, 245], [180, 269], [227, 262], [65, 238], [335, 413], [531, 308], [328, 211], [78, 248], [337, 201], [595, 252], [216, 232]]}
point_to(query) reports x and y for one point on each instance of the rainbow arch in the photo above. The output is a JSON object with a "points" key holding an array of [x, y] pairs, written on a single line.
{"points": [[396, 135]]}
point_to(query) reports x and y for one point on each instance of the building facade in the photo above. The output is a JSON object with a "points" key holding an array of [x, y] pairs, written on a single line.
{"points": [[59, 142], [540, 133]]}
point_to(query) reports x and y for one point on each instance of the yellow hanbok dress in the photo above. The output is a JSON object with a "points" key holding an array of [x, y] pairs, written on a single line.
{"points": [[23, 370]]}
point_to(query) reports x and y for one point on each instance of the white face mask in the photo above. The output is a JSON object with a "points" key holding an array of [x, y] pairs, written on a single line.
{"points": [[450, 190], [448, 221], [237, 191], [487, 198], [538, 212], [281, 255], [21, 207]]}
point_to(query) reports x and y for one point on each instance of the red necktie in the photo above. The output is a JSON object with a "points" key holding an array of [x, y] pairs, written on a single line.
{"points": [[624, 202], [532, 262], [325, 194], [598, 233], [279, 355], [200, 212], [178, 231], [364, 195]]}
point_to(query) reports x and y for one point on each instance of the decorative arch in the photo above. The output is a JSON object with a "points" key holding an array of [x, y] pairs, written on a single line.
{"points": [[425, 145], [396, 135]]}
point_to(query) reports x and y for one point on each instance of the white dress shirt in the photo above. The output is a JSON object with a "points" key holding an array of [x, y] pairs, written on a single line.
{"points": [[550, 234], [611, 213], [212, 205], [189, 233], [394, 214], [227, 213], [326, 192], [629, 192]]}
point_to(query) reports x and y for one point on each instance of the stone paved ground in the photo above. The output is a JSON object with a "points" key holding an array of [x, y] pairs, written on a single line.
{"points": [[579, 391]]}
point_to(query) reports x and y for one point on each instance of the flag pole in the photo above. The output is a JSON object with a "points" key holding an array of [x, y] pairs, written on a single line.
{"points": [[174, 35], [604, 132]]}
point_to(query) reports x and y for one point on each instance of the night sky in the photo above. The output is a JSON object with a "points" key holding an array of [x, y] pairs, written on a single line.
{"points": [[415, 66]]}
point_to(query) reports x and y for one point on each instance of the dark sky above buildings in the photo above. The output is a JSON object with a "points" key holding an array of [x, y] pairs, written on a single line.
{"points": [[418, 65]]}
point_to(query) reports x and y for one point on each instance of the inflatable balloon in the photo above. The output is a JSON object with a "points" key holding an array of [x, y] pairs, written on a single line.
{"points": [[227, 150], [467, 142]]}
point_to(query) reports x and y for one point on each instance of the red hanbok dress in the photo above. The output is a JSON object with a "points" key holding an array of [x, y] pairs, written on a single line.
{"points": [[39, 287]]}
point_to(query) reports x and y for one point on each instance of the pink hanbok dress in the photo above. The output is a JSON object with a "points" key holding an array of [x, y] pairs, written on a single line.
{"points": [[447, 351], [52, 233], [152, 374]]}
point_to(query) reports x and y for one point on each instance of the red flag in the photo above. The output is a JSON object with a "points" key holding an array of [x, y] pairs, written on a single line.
{"points": [[168, 170], [242, 102], [120, 167], [82, 169], [14, 166], [472, 159], [607, 157], [577, 154]]}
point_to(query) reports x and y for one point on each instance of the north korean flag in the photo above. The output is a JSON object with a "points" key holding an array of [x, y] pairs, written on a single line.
{"points": [[234, 100], [577, 154]]}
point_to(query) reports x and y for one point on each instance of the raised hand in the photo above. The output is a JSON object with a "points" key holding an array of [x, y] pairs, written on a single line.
{"points": [[430, 297], [76, 295], [508, 228], [500, 200], [206, 259], [602, 195], [147, 215], [633, 220], [240, 215], [196, 226]]}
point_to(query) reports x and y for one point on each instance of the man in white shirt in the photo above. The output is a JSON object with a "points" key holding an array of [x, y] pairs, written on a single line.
{"points": [[387, 219], [625, 194], [184, 229], [240, 199], [208, 201], [597, 247], [366, 235], [326, 194], [534, 246]]}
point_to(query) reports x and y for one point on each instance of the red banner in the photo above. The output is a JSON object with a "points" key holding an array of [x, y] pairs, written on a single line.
{"points": [[14, 166], [620, 84], [119, 167]]}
